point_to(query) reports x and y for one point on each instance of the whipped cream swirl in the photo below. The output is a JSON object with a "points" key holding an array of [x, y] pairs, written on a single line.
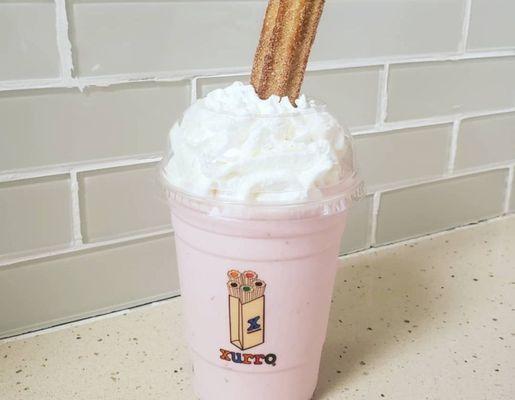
{"points": [[233, 146]]}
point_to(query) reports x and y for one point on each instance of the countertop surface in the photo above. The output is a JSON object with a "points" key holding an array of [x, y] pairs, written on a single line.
{"points": [[433, 318]]}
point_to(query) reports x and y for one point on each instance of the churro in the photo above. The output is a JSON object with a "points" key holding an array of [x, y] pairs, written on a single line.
{"points": [[287, 35]]}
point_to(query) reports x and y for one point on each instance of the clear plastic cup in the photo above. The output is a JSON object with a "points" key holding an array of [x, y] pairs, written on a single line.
{"points": [[256, 281]]}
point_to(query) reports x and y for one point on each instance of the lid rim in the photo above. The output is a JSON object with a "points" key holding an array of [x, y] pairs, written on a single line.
{"points": [[352, 187]]}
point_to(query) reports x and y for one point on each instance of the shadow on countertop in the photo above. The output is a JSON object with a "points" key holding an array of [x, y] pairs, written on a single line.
{"points": [[382, 302]]}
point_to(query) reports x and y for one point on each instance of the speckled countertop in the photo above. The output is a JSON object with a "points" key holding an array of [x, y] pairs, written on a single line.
{"points": [[430, 319]]}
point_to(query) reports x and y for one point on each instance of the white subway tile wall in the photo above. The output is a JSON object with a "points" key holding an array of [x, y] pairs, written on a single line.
{"points": [[432, 207], [350, 94], [56, 126], [28, 48], [114, 37], [35, 214], [353, 29], [206, 85], [486, 140], [395, 157], [122, 201], [427, 88], [491, 25], [358, 226], [57, 289], [424, 90]]}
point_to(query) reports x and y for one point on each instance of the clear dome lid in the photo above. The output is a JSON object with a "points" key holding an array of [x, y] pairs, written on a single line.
{"points": [[230, 162]]}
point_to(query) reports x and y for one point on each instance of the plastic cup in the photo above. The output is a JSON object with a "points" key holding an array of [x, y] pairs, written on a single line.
{"points": [[256, 281]]}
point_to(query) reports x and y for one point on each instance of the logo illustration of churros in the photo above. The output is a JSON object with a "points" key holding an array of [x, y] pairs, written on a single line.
{"points": [[246, 309]]}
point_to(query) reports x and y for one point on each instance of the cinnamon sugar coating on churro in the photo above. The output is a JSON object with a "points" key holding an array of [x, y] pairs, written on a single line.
{"points": [[286, 39]]}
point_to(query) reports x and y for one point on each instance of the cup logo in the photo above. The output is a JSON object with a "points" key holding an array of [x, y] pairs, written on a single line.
{"points": [[246, 318], [246, 309]]}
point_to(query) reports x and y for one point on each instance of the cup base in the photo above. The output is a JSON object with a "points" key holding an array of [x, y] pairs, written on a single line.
{"points": [[211, 382]]}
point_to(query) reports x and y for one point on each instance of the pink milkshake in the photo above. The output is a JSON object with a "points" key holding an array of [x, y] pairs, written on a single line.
{"points": [[259, 192]]}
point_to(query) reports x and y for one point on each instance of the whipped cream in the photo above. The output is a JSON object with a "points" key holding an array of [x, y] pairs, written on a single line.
{"points": [[231, 145]]}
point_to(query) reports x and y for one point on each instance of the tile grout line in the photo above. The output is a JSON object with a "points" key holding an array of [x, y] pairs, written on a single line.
{"points": [[453, 147], [438, 120], [84, 246], [467, 16], [75, 203], [382, 103], [436, 57], [10, 176], [115, 79], [509, 189], [375, 213], [85, 321], [386, 245], [31, 84], [193, 90], [441, 178], [63, 42]]}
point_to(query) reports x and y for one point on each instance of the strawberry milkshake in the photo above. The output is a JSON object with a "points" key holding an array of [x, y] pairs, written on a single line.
{"points": [[259, 193], [260, 181]]}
